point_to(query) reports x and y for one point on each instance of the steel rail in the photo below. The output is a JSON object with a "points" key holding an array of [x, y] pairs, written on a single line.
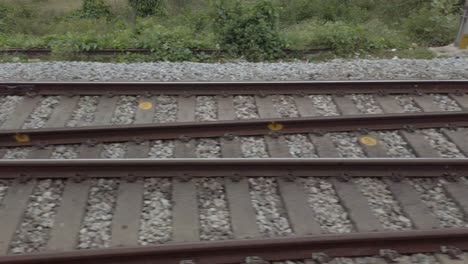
{"points": [[255, 127], [231, 88], [184, 168], [111, 51], [271, 249]]}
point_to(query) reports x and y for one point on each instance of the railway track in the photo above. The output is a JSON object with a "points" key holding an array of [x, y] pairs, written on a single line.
{"points": [[412, 201], [40, 52], [95, 204], [305, 105]]}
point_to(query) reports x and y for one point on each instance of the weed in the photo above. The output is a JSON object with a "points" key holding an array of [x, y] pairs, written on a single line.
{"points": [[345, 39], [256, 30], [148, 7], [250, 31], [93, 9], [428, 27]]}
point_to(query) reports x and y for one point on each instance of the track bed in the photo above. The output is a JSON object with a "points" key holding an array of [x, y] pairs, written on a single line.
{"points": [[80, 210]]}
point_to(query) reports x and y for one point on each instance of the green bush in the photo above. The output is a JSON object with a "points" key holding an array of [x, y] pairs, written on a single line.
{"points": [[445, 7], [244, 28], [294, 11], [93, 9], [428, 27], [166, 44], [249, 31], [21, 41], [345, 39], [148, 7], [15, 18], [3, 15]]}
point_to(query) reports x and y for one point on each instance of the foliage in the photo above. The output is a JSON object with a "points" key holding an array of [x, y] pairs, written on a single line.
{"points": [[445, 7], [148, 7], [254, 29], [93, 9], [166, 45], [3, 15], [345, 39], [250, 31], [3, 11], [295, 11], [428, 27]]}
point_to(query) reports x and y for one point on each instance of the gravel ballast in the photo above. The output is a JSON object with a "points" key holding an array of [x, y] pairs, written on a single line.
{"points": [[65, 152], [206, 108], [407, 103], [271, 216], [383, 204], [285, 105], [208, 148], [326, 205], [366, 104], [33, 233], [347, 144], [165, 109], [324, 104], [113, 151], [254, 147], [300, 146], [439, 142], [84, 113], [434, 197], [4, 185], [8, 105], [42, 112], [407, 259], [445, 102], [213, 209], [245, 107], [156, 217], [357, 69], [162, 149], [17, 153], [418, 258], [124, 113], [96, 227], [395, 145]]}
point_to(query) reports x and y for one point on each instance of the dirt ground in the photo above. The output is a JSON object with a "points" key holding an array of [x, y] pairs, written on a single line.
{"points": [[449, 51]]}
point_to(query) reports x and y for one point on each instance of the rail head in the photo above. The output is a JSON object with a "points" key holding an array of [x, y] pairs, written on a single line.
{"points": [[180, 168], [271, 249], [209, 129], [230, 88]]}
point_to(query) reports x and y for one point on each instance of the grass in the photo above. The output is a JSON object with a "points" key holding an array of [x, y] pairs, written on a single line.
{"points": [[361, 28], [60, 7]]}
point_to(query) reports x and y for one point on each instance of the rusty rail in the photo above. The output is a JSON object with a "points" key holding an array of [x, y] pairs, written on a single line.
{"points": [[186, 130], [110, 51], [289, 167], [231, 88], [272, 249]]}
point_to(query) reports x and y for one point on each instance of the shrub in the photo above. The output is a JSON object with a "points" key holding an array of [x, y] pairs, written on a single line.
{"points": [[3, 14], [15, 18], [429, 27], [250, 31], [166, 44], [93, 9], [21, 41], [294, 11], [445, 7], [148, 7], [345, 39]]}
